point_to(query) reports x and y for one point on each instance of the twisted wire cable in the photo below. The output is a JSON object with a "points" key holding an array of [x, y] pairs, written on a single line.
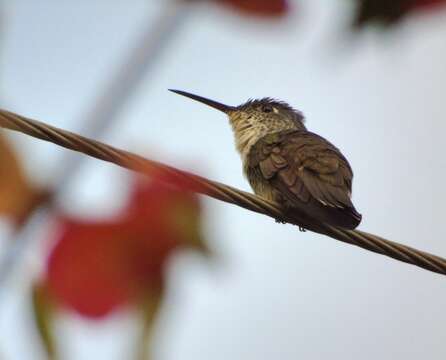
{"points": [[217, 190]]}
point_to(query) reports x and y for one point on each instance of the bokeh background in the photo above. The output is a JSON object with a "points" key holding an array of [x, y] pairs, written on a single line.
{"points": [[272, 292]]}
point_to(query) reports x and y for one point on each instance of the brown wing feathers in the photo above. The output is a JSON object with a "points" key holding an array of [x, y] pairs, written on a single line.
{"points": [[305, 167]]}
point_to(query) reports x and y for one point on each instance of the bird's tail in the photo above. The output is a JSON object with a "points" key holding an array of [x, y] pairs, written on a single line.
{"points": [[347, 218]]}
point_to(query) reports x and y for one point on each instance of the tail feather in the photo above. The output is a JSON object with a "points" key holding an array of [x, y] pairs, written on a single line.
{"points": [[347, 218]]}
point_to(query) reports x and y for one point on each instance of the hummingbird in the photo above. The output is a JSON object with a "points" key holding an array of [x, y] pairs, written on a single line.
{"points": [[287, 164]]}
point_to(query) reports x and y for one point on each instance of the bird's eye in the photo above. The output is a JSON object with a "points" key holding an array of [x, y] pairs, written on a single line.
{"points": [[267, 108]]}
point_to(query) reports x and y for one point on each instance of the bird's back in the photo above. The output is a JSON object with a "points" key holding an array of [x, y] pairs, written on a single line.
{"points": [[305, 173]]}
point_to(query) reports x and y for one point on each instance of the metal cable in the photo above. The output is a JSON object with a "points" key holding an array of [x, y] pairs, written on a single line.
{"points": [[217, 190]]}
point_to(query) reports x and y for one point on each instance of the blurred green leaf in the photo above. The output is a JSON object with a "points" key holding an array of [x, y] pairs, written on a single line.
{"points": [[43, 309], [149, 310]]}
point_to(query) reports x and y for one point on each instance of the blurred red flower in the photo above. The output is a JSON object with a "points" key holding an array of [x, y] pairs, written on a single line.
{"points": [[428, 3], [259, 7], [389, 12], [95, 267]]}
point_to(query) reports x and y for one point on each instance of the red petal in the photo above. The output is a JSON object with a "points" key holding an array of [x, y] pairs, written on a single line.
{"points": [[87, 269], [428, 4], [95, 267], [259, 7]]}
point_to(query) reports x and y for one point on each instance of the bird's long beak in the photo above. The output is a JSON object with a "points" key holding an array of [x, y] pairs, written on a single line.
{"points": [[216, 105]]}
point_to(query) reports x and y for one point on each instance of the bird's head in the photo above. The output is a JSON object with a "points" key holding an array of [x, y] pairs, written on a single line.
{"points": [[255, 118], [265, 112], [268, 114]]}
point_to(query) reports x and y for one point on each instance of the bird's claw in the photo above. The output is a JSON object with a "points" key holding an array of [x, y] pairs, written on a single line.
{"points": [[281, 221]]}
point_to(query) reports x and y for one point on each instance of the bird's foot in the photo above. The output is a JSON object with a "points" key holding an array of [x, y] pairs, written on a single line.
{"points": [[280, 221], [301, 229]]}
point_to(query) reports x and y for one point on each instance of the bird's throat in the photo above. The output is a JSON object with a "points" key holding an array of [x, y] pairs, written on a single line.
{"points": [[246, 134]]}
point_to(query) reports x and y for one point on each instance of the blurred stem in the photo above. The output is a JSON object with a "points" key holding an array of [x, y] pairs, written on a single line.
{"points": [[135, 67], [43, 310], [105, 109], [149, 311]]}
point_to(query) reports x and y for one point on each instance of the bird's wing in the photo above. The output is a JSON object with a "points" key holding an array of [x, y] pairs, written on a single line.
{"points": [[302, 165]]}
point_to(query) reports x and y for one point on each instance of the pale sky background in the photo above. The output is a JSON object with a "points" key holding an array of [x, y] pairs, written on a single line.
{"points": [[278, 293]]}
